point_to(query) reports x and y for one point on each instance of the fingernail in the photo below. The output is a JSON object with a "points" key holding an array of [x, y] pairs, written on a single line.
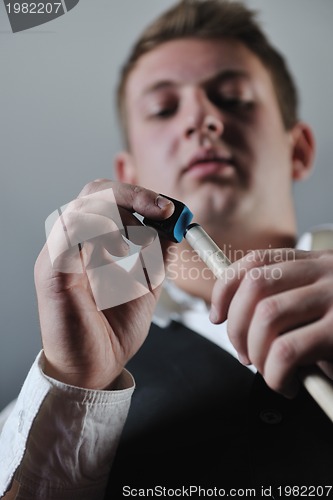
{"points": [[244, 359], [162, 202], [213, 314]]}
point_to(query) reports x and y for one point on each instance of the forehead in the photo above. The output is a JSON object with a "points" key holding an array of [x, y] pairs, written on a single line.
{"points": [[192, 62]]}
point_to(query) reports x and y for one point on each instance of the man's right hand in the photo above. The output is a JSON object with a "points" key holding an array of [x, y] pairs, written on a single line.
{"points": [[85, 346]]}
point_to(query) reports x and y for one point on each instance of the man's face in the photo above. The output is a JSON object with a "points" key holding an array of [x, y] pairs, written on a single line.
{"points": [[204, 127]]}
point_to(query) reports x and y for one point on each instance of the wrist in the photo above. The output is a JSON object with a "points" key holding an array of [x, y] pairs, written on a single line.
{"points": [[82, 380]]}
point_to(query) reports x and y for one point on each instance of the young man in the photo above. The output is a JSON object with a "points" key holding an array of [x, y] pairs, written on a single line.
{"points": [[209, 114]]}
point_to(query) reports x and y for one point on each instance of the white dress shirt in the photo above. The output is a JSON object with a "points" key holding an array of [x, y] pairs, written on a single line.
{"points": [[59, 440]]}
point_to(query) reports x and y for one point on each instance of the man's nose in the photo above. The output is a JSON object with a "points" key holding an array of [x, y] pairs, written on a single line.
{"points": [[202, 120]]}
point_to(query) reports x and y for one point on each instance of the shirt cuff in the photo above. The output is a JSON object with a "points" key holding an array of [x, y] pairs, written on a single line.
{"points": [[61, 439]]}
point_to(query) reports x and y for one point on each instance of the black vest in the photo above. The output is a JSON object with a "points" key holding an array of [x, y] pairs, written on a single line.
{"points": [[198, 417]]}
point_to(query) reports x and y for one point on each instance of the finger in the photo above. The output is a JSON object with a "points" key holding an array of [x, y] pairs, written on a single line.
{"points": [[259, 284], [79, 221], [102, 250], [94, 186], [121, 281], [302, 347], [227, 285], [72, 229], [134, 198], [281, 313], [143, 245], [327, 367]]}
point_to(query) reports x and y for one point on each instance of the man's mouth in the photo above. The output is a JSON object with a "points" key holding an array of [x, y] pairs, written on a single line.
{"points": [[208, 163]]}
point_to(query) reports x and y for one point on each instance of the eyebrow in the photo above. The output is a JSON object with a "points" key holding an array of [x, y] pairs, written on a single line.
{"points": [[222, 76], [161, 84], [230, 74]]}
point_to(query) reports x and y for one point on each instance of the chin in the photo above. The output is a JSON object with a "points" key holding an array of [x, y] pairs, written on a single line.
{"points": [[209, 205]]}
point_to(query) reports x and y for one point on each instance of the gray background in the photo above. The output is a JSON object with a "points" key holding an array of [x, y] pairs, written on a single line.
{"points": [[58, 131]]}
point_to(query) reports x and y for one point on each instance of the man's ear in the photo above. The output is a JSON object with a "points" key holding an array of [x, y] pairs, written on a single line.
{"points": [[303, 151], [124, 168]]}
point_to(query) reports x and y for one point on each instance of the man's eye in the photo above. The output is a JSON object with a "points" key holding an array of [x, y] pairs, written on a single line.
{"points": [[165, 112], [235, 102], [232, 104]]}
